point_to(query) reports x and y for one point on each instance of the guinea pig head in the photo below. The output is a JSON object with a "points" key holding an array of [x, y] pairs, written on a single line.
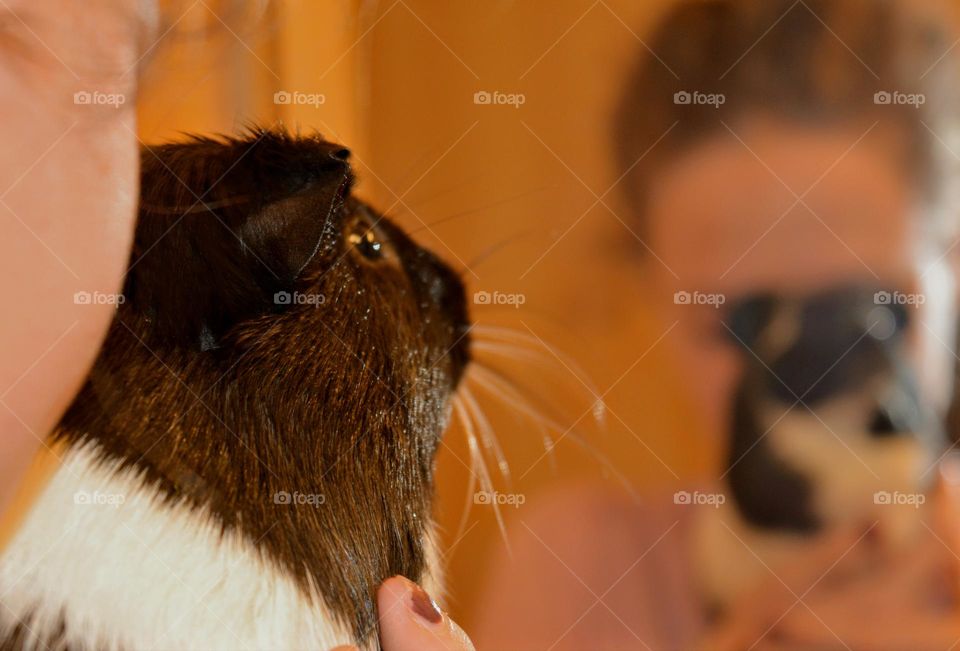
{"points": [[282, 361]]}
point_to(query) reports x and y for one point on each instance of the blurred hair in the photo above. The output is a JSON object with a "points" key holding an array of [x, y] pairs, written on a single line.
{"points": [[817, 62]]}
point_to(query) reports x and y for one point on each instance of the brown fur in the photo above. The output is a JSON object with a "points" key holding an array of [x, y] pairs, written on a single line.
{"points": [[226, 398]]}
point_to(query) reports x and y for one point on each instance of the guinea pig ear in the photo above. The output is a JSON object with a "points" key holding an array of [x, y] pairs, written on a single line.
{"points": [[225, 225]]}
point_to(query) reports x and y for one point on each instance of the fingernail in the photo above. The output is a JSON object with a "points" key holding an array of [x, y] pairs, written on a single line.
{"points": [[423, 606]]}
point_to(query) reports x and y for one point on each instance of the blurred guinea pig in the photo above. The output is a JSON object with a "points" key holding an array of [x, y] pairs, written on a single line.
{"points": [[252, 453], [827, 430]]}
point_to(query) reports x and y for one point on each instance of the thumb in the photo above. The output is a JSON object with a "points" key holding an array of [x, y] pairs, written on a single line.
{"points": [[411, 621]]}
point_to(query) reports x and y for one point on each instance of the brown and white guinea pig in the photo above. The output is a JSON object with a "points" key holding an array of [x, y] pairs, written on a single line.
{"points": [[252, 452], [828, 430]]}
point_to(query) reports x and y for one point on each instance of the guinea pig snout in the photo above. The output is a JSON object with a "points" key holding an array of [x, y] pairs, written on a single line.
{"points": [[442, 294]]}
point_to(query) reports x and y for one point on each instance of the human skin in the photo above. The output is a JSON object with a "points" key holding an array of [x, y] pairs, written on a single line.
{"points": [[404, 627], [68, 187]]}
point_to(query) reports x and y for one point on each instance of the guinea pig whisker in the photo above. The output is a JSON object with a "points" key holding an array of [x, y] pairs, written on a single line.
{"points": [[500, 335], [474, 469], [488, 436], [485, 482], [511, 351], [526, 410], [513, 335], [495, 384], [513, 395], [477, 209], [487, 253]]}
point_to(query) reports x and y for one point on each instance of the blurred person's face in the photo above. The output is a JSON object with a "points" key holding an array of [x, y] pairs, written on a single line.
{"points": [[791, 209]]}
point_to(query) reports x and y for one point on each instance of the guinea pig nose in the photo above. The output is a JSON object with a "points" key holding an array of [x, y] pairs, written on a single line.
{"points": [[341, 154]]}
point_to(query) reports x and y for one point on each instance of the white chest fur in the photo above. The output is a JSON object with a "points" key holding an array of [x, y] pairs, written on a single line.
{"points": [[103, 554]]}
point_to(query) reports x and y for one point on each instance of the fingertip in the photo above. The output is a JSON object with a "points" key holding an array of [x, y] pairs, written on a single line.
{"points": [[410, 620], [401, 591]]}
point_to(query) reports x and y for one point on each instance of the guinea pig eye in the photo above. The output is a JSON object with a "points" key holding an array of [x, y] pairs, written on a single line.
{"points": [[363, 237]]}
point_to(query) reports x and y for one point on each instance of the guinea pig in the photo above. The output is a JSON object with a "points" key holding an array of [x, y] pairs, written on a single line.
{"points": [[827, 430], [252, 452]]}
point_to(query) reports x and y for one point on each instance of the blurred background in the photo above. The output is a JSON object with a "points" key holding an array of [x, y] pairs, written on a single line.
{"points": [[519, 195]]}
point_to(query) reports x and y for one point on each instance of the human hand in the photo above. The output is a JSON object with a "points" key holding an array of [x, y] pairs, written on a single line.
{"points": [[411, 621]]}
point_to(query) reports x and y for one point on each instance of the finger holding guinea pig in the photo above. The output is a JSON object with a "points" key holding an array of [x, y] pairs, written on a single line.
{"points": [[410, 620]]}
